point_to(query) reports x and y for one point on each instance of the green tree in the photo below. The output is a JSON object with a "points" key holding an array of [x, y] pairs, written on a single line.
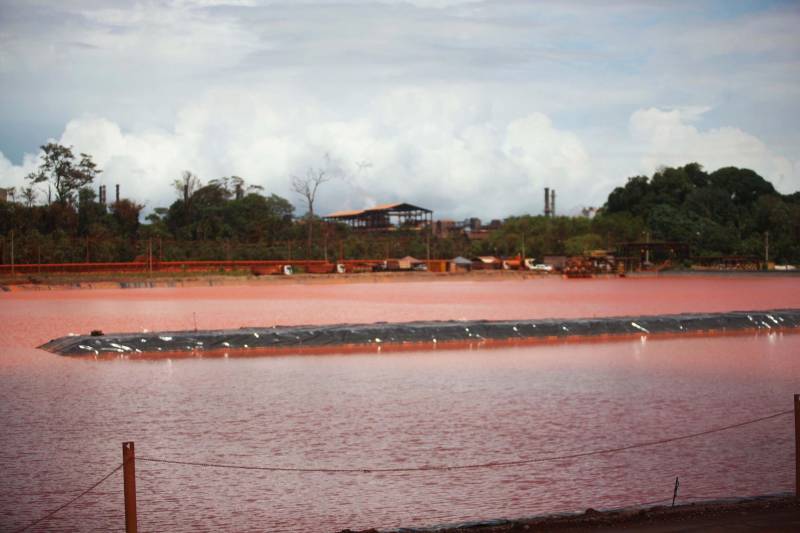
{"points": [[66, 174]]}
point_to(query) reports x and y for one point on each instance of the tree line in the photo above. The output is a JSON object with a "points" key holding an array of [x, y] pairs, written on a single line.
{"points": [[730, 211]]}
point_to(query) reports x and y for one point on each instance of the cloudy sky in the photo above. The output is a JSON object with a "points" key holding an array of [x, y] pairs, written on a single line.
{"points": [[466, 107]]}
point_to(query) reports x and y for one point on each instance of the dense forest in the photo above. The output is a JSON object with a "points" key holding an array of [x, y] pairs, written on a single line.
{"points": [[730, 211]]}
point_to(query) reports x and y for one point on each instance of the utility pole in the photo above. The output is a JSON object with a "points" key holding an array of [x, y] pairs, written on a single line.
{"points": [[12, 252], [766, 250]]}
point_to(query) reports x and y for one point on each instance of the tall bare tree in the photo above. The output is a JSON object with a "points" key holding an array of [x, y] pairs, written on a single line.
{"points": [[306, 186], [187, 185]]}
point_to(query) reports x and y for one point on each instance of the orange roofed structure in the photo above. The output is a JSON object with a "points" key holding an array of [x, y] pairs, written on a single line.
{"points": [[389, 217]]}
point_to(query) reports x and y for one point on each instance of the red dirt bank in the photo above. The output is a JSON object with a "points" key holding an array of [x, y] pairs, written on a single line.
{"points": [[768, 513]]}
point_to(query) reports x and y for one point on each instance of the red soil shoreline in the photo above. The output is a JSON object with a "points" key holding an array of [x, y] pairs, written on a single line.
{"points": [[172, 280], [765, 513]]}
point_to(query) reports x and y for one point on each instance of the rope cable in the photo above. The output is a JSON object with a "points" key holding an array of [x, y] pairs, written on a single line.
{"points": [[73, 500], [492, 464]]}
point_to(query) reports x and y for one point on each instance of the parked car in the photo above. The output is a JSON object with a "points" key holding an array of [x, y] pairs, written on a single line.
{"points": [[541, 267]]}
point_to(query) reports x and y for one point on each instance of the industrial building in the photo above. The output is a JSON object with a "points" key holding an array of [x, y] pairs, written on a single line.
{"points": [[389, 217]]}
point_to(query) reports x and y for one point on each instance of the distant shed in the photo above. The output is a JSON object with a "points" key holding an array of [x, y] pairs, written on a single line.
{"points": [[408, 262], [460, 264]]}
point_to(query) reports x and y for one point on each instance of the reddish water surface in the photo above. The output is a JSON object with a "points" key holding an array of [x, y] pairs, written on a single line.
{"points": [[63, 419]]}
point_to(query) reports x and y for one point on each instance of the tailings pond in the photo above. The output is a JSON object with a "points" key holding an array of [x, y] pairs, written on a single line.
{"points": [[63, 419]]}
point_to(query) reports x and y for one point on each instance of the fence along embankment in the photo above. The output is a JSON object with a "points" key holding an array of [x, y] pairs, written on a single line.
{"points": [[129, 461], [283, 338]]}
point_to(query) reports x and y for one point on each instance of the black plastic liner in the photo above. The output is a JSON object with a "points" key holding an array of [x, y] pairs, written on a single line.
{"points": [[288, 337]]}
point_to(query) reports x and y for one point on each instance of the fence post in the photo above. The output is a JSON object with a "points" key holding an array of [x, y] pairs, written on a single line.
{"points": [[797, 445], [129, 486]]}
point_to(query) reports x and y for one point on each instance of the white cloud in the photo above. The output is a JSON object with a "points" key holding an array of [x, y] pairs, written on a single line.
{"points": [[668, 137], [469, 107], [441, 147]]}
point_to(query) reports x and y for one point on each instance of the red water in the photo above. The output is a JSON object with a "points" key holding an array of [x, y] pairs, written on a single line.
{"points": [[63, 419]]}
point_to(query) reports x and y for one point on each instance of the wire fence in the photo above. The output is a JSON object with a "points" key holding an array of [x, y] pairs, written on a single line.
{"points": [[432, 468]]}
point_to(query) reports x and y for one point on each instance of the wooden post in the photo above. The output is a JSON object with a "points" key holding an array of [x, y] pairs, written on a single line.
{"points": [[428, 245], [675, 492], [129, 487], [797, 445]]}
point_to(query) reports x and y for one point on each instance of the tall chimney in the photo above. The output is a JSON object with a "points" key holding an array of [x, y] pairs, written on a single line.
{"points": [[553, 202], [103, 194], [547, 201], [117, 192]]}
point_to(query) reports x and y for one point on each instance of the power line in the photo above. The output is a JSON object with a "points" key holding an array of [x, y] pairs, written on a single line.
{"points": [[73, 500], [493, 464]]}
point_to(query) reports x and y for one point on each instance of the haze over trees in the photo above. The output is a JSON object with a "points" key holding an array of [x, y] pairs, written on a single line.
{"points": [[726, 212]]}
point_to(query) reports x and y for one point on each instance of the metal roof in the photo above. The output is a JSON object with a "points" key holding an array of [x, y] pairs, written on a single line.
{"points": [[345, 214], [401, 206]]}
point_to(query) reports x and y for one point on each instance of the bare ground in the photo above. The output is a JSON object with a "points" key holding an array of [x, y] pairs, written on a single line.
{"points": [[762, 514]]}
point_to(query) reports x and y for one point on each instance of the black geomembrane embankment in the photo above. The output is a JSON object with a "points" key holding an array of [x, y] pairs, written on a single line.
{"points": [[284, 337]]}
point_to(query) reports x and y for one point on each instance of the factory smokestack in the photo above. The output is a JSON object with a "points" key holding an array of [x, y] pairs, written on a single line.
{"points": [[553, 202], [117, 196], [547, 201]]}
